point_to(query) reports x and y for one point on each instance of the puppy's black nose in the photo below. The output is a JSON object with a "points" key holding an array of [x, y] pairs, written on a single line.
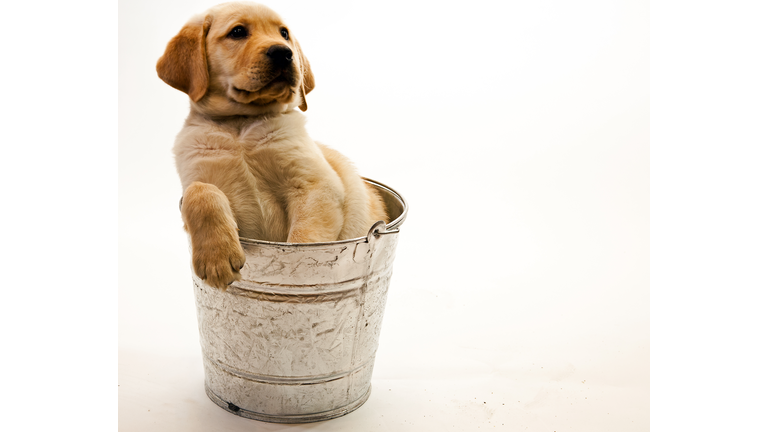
{"points": [[280, 55]]}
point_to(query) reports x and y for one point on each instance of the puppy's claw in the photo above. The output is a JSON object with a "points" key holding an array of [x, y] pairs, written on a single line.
{"points": [[222, 283]]}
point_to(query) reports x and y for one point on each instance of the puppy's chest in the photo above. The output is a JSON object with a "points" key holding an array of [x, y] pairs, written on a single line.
{"points": [[270, 153], [276, 153]]}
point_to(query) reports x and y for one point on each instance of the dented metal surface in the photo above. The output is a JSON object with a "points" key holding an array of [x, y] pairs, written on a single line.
{"points": [[295, 340]]}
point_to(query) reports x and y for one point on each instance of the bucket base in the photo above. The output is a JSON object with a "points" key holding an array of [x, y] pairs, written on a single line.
{"points": [[300, 418]]}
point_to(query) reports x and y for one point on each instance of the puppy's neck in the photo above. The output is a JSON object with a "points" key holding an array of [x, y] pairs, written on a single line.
{"points": [[238, 123], [218, 105]]}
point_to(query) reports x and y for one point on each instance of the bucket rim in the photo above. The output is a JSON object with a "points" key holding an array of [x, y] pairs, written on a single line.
{"points": [[392, 226]]}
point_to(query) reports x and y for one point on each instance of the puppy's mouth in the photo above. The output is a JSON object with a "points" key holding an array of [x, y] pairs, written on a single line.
{"points": [[243, 93], [280, 79], [274, 88]]}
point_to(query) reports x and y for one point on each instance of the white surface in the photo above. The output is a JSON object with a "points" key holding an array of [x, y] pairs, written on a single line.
{"points": [[519, 134]]}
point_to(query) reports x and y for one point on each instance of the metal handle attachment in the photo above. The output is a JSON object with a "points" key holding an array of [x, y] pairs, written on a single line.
{"points": [[379, 229]]}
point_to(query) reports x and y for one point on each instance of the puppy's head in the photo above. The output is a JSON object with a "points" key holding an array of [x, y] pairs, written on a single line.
{"points": [[238, 59]]}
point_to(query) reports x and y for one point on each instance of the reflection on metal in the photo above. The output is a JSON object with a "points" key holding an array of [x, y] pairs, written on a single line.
{"points": [[294, 341]]}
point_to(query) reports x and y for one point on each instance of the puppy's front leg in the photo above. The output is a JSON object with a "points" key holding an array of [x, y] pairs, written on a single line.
{"points": [[217, 256], [316, 215]]}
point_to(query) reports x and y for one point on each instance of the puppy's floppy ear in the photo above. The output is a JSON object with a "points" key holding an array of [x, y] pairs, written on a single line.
{"points": [[307, 78], [184, 65]]}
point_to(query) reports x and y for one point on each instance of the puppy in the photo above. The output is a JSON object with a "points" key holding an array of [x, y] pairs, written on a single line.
{"points": [[247, 165]]}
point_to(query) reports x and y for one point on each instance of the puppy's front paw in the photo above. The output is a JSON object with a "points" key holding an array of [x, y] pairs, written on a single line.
{"points": [[218, 261]]}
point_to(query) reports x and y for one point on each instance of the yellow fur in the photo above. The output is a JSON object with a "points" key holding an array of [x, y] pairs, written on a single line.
{"points": [[247, 165]]}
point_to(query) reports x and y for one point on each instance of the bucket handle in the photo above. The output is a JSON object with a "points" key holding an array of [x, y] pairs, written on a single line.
{"points": [[378, 229]]}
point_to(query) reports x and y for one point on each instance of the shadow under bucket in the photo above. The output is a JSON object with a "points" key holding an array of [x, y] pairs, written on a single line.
{"points": [[294, 341]]}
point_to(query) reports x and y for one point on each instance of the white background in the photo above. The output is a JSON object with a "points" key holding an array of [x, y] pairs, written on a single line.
{"points": [[565, 201], [488, 329], [518, 133]]}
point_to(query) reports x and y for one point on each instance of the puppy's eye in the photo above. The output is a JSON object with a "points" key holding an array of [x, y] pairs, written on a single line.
{"points": [[284, 33], [238, 32]]}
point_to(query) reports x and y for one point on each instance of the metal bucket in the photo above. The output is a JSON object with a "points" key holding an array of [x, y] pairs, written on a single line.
{"points": [[294, 341]]}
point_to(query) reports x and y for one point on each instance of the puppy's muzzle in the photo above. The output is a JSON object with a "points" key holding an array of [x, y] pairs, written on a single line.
{"points": [[280, 55]]}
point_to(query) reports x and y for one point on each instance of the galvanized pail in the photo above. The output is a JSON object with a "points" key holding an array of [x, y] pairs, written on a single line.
{"points": [[294, 341]]}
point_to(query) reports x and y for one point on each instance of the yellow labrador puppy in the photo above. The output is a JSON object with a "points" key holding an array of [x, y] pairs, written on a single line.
{"points": [[247, 165]]}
